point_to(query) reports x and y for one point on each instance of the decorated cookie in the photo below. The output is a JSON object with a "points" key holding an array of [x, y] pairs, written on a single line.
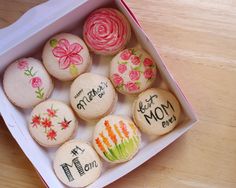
{"points": [[156, 111], [27, 83], [76, 164], [116, 139], [132, 71], [52, 123], [92, 96], [106, 31], [66, 56]]}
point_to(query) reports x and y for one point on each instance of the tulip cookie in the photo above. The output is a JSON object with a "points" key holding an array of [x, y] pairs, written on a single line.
{"points": [[52, 123], [76, 164], [27, 83], [156, 111], [116, 139], [66, 56], [106, 31], [92, 96], [132, 71]]}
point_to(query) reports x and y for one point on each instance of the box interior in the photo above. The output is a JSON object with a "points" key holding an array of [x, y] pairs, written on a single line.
{"points": [[72, 22]]}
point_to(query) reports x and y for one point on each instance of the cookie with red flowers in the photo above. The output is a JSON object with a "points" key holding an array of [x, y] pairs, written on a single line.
{"points": [[27, 83], [66, 56], [106, 31], [52, 123], [132, 71]]}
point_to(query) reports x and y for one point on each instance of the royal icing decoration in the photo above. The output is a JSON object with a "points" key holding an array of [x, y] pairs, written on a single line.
{"points": [[34, 80], [68, 54], [106, 31], [132, 71]]}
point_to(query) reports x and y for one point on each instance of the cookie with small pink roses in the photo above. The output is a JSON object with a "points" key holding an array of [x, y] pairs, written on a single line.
{"points": [[52, 123], [27, 83], [132, 71], [66, 56]]}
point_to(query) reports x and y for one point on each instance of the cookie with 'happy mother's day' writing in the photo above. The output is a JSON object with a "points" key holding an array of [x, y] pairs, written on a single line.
{"points": [[76, 164], [92, 96], [156, 111], [27, 83], [52, 123]]}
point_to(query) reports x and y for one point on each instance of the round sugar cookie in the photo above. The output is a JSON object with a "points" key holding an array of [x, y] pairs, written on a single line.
{"points": [[106, 31], [116, 139], [76, 164], [156, 111], [132, 71], [27, 83], [66, 56], [92, 96], [52, 123]]}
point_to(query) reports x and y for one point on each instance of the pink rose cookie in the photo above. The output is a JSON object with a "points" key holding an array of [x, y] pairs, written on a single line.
{"points": [[132, 71], [27, 83], [52, 123], [66, 56], [106, 31]]}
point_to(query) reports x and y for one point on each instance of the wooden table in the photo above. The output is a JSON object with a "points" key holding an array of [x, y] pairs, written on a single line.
{"points": [[197, 40]]}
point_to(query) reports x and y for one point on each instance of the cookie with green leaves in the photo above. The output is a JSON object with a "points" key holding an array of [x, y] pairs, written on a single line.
{"points": [[132, 71], [27, 83], [66, 56], [116, 139]]}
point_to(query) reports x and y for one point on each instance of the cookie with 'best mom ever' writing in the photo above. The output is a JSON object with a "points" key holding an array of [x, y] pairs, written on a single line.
{"points": [[156, 111]]}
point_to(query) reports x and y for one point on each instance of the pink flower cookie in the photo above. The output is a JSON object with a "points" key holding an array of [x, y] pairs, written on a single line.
{"points": [[66, 56], [132, 71], [52, 123], [106, 31], [27, 83]]}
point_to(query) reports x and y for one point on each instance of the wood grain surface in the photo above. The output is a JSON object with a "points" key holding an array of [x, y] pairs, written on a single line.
{"points": [[197, 40]]}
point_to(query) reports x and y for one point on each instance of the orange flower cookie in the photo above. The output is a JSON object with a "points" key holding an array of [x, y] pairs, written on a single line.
{"points": [[156, 111], [27, 83], [116, 139], [132, 71], [76, 164], [66, 56], [52, 123]]}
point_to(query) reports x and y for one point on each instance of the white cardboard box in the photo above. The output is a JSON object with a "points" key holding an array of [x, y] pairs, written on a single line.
{"points": [[26, 37]]}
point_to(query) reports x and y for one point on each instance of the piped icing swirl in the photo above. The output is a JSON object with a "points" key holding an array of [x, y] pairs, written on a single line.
{"points": [[106, 31]]}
